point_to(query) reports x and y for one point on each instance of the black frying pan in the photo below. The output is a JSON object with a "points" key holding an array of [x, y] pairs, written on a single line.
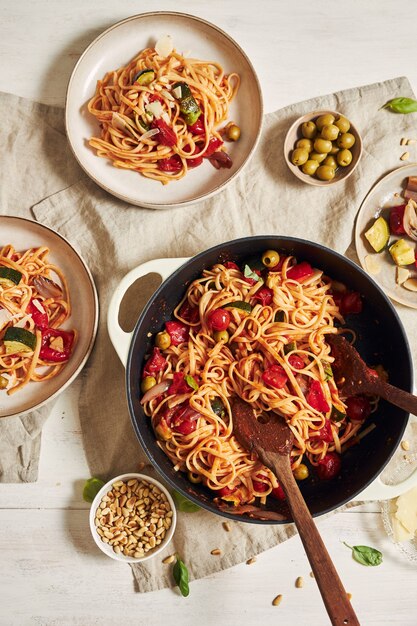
{"points": [[381, 339]]}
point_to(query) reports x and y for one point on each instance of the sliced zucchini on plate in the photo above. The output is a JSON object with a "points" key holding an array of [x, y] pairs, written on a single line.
{"points": [[9, 277], [19, 340], [378, 234]]}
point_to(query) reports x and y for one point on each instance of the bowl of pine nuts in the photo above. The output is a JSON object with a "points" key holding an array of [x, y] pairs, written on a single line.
{"points": [[132, 518]]}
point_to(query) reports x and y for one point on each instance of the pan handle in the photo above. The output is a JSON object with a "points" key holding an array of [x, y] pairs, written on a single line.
{"points": [[378, 490], [119, 338]]}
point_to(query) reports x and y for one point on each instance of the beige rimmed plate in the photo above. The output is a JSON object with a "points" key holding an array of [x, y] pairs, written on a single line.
{"points": [[24, 234], [379, 199], [115, 48]]}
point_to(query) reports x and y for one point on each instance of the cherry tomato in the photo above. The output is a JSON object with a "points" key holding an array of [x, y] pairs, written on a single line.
{"points": [[178, 385], [219, 319], [172, 164], [166, 135], [226, 491], [299, 271], [325, 433], [198, 160], [264, 295], [358, 408], [278, 493], [275, 376], [177, 331], [40, 319], [259, 486], [189, 312], [213, 145], [154, 364], [198, 127], [230, 265], [329, 467], [396, 220], [296, 362], [316, 398], [350, 302]]}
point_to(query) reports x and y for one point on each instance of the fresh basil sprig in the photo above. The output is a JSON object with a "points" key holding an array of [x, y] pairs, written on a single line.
{"points": [[248, 273], [401, 105], [184, 504], [180, 573], [191, 382], [91, 488], [365, 555]]}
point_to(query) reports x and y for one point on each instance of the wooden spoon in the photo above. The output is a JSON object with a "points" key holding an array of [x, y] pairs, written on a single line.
{"points": [[272, 443], [354, 377]]}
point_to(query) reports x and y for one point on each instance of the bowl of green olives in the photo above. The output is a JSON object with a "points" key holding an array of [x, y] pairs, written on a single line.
{"points": [[322, 148]]}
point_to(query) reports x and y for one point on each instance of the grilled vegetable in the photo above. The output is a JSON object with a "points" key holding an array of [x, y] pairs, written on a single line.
{"points": [[188, 105], [402, 253], [378, 234], [9, 277], [144, 77], [19, 340], [239, 304]]}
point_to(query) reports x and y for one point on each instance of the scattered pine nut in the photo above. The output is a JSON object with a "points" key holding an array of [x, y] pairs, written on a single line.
{"points": [[349, 595], [312, 575], [226, 526], [216, 552], [169, 559], [299, 582], [403, 141], [277, 600], [405, 156], [397, 195], [251, 560], [405, 445], [411, 141], [406, 457]]}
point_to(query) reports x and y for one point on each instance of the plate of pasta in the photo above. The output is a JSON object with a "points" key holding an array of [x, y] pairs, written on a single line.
{"points": [[163, 109], [250, 318], [48, 314]]}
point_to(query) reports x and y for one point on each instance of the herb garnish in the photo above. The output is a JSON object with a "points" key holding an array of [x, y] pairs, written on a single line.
{"points": [[248, 273], [365, 555], [191, 382], [401, 105], [180, 573], [184, 504], [91, 488]]}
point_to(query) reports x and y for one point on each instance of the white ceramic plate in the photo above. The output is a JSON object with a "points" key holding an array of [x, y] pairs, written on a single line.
{"points": [[381, 197], [115, 48], [24, 234]]}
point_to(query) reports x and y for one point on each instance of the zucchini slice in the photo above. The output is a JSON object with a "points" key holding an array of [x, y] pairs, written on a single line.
{"points": [[188, 104], [402, 253], [19, 340], [336, 415], [239, 304], [144, 77], [378, 234], [9, 277]]}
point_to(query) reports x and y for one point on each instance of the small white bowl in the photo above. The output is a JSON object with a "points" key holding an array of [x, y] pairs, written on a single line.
{"points": [[105, 547]]}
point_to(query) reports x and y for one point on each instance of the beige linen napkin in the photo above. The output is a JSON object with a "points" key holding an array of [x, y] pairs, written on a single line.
{"points": [[265, 199], [35, 162]]}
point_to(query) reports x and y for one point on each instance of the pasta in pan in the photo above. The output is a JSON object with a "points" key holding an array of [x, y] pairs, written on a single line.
{"points": [[33, 307], [259, 334], [160, 114]]}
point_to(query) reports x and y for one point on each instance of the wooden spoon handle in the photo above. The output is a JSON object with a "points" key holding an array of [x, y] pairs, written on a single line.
{"points": [[334, 596], [396, 396]]}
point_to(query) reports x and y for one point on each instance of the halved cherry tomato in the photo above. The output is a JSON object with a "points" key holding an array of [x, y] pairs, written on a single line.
{"points": [[47, 353], [230, 265], [178, 385], [358, 408], [189, 313], [264, 295], [350, 302], [252, 281], [213, 145], [325, 433], [172, 164], [226, 491], [299, 271], [316, 398], [275, 376], [329, 467], [278, 493], [198, 127], [177, 331], [259, 485], [296, 362], [40, 319], [185, 420], [219, 319], [156, 363], [198, 160], [396, 220], [166, 135]]}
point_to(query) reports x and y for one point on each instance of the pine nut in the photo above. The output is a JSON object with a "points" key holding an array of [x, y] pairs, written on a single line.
{"points": [[405, 445], [405, 156], [251, 561], [312, 575], [299, 582], [277, 600], [349, 595], [403, 141], [226, 526], [169, 559], [216, 552]]}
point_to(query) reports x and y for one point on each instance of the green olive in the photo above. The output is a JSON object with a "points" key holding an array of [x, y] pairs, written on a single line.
{"points": [[163, 340], [301, 472], [346, 140], [330, 132], [306, 144], [322, 145], [221, 335], [310, 167], [147, 383], [299, 156], [330, 160], [270, 258], [3, 382], [194, 478], [344, 157], [324, 120], [308, 130], [317, 156], [343, 124], [232, 132], [335, 149], [325, 172]]}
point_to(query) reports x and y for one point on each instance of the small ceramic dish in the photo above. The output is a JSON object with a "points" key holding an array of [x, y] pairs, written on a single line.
{"points": [[294, 134], [131, 496]]}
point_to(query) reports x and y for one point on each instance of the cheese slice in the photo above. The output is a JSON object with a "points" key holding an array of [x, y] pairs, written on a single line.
{"points": [[405, 517]]}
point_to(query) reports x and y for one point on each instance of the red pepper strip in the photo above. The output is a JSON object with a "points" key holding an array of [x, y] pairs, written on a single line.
{"points": [[50, 354], [264, 295], [350, 302], [178, 385], [189, 313], [194, 162], [198, 127], [329, 467], [172, 164], [275, 376], [156, 363], [299, 271], [213, 145], [396, 220], [325, 433], [177, 331], [316, 398], [232, 266], [40, 319], [166, 135]]}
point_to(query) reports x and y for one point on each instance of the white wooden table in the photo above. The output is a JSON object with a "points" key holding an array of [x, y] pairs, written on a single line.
{"points": [[50, 570]]}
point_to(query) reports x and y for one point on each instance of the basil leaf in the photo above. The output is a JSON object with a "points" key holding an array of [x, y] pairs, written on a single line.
{"points": [[180, 573], [401, 105], [184, 504], [91, 488], [248, 273], [191, 382], [366, 555]]}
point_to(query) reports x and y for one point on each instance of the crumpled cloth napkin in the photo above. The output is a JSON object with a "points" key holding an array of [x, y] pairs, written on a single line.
{"points": [[266, 199]]}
